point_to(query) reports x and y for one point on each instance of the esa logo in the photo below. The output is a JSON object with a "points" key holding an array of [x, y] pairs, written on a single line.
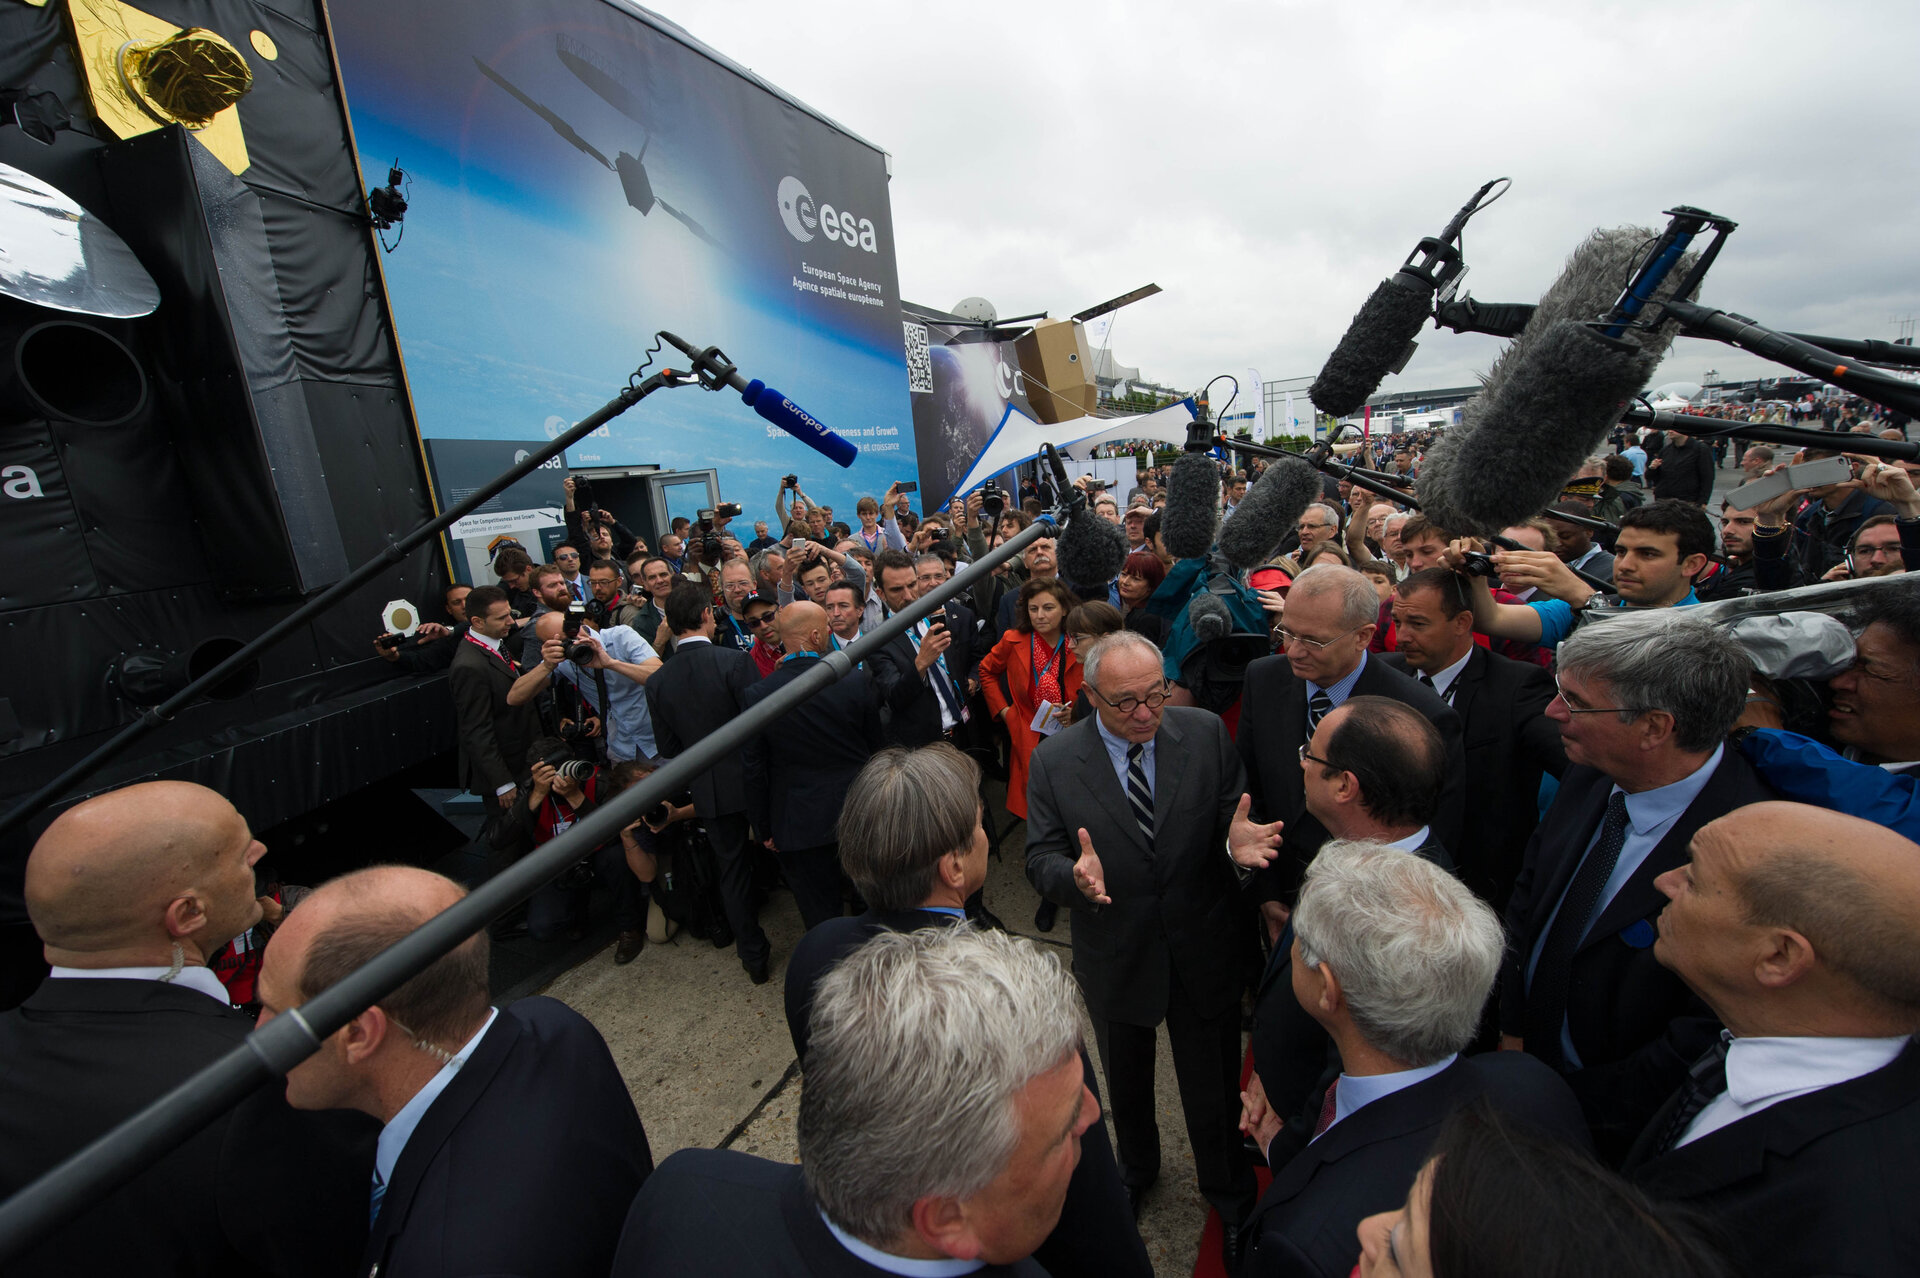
{"points": [[803, 217], [20, 483]]}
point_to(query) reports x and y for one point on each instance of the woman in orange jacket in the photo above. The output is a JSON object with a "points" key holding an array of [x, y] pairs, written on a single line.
{"points": [[1032, 664]]}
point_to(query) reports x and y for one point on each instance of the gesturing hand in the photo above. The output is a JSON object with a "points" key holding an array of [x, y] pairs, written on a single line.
{"points": [[1087, 874], [1252, 846]]}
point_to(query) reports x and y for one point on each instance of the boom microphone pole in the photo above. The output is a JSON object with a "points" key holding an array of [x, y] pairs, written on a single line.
{"points": [[289, 1038], [1773, 433], [1783, 348]]}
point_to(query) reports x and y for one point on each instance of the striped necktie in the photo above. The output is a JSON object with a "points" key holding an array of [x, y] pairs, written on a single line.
{"points": [[1705, 1081], [1319, 706], [1139, 793], [379, 1192]]}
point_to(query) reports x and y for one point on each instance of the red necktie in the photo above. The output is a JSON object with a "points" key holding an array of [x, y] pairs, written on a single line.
{"points": [[1327, 1107]]}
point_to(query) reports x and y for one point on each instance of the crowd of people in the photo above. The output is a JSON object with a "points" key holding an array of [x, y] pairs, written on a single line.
{"points": [[1515, 917]]}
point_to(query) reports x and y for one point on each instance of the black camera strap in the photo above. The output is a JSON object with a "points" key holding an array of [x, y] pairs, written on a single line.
{"points": [[606, 707]]}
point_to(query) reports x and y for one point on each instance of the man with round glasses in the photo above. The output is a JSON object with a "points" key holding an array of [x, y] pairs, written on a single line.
{"points": [[1137, 821]]}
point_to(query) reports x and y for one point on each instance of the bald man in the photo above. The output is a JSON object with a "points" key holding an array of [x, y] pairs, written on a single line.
{"points": [[798, 770], [509, 1144], [1800, 1131], [131, 893]]}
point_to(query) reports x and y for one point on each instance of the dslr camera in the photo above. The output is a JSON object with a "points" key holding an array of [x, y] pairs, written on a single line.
{"points": [[580, 651], [565, 765], [1476, 564], [993, 500]]}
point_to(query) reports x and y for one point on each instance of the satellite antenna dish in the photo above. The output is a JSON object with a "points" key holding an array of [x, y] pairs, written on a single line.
{"points": [[976, 309]]}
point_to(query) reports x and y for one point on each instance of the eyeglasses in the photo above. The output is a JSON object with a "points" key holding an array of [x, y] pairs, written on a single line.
{"points": [[1287, 637], [1574, 707], [1127, 705], [568, 555], [1306, 756], [758, 619]]}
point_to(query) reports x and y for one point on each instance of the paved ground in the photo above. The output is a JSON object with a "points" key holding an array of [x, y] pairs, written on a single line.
{"points": [[709, 1061]]}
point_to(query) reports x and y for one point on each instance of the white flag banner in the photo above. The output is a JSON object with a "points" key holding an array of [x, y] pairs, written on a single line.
{"points": [[1098, 331], [1292, 424], [1255, 398]]}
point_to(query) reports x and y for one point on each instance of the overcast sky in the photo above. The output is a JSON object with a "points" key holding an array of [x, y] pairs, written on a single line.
{"points": [[1267, 164]]}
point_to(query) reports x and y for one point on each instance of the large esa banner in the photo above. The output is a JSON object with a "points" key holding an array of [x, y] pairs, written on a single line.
{"points": [[580, 178]]}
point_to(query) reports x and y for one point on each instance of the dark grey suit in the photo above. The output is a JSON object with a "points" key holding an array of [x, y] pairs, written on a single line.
{"points": [[1166, 948]]}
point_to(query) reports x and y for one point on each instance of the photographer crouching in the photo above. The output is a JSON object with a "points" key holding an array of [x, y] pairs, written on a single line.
{"points": [[564, 789]]}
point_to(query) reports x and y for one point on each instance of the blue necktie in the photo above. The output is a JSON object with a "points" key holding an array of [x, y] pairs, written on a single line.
{"points": [[373, 1203]]}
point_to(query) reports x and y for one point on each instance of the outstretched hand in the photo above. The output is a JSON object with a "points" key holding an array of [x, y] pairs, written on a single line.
{"points": [[1087, 874], [1251, 845]]}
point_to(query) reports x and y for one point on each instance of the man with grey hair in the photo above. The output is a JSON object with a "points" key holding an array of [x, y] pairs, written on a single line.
{"points": [[912, 841], [941, 1114], [1394, 957], [1318, 524], [1644, 705], [1332, 612], [1136, 821]]}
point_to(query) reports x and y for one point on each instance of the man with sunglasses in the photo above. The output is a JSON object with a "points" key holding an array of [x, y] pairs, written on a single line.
{"points": [[1137, 822], [1331, 613], [1644, 708]]}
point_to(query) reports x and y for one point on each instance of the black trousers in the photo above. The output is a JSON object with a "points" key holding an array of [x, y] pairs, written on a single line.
{"points": [[814, 876], [1206, 1061], [727, 835]]}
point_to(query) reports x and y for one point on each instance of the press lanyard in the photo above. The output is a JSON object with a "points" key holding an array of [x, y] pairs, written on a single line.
{"points": [[1033, 642]]}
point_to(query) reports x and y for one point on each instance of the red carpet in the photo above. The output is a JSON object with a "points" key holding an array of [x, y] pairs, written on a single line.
{"points": [[1208, 1264]]}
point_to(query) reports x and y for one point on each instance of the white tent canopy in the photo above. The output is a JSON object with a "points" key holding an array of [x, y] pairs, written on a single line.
{"points": [[1018, 438]]}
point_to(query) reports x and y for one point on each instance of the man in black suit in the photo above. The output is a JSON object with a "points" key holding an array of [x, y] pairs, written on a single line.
{"points": [[132, 892], [1161, 795], [1800, 928], [924, 677], [1394, 958], [1644, 707], [798, 770], [1372, 771], [938, 1123], [1331, 615], [1508, 741], [494, 735], [914, 846], [702, 688], [510, 1144]]}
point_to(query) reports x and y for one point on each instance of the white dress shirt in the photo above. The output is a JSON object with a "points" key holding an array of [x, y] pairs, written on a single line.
{"points": [[905, 1266], [1443, 680], [1766, 1071], [192, 978]]}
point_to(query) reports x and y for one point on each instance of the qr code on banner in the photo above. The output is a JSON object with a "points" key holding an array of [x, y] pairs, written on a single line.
{"points": [[919, 361]]}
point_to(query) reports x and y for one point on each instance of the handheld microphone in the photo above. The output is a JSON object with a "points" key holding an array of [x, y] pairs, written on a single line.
{"points": [[1091, 551], [1554, 408], [1269, 513], [1549, 399], [715, 370], [1209, 617], [1191, 517], [1380, 341]]}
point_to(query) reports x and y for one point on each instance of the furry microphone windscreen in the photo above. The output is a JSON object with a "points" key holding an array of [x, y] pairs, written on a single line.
{"points": [[1209, 617], [1586, 290], [1192, 513], [1375, 344], [1268, 513], [1091, 550], [1552, 412]]}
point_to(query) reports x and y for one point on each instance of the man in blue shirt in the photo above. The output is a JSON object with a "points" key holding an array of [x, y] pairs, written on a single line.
{"points": [[1661, 548], [623, 662]]}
